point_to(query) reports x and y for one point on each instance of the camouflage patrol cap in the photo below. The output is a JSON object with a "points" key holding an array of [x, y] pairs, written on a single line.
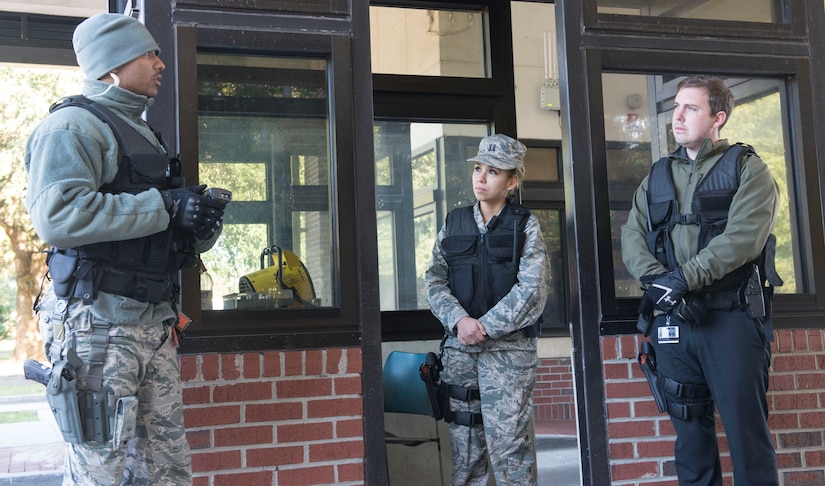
{"points": [[501, 152]]}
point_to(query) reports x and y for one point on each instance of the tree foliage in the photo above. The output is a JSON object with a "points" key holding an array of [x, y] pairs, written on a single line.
{"points": [[29, 93]]}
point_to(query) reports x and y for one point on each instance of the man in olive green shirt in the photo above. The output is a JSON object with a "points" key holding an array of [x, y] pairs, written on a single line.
{"points": [[694, 236]]}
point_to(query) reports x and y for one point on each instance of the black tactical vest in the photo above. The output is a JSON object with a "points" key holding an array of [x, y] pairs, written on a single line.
{"points": [[141, 167], [710, 206], [483, 268]]}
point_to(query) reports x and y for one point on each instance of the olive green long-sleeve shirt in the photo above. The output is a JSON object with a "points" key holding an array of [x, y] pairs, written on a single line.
{"points": [[751, 219]]}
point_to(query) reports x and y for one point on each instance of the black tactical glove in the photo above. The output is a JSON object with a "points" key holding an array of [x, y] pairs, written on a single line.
{"points": [[187, 208], [668, 290], [692, 310], [213, 220]]}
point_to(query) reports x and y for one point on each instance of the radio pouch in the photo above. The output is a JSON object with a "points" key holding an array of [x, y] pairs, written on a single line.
{"points": [[125, 421], [61, 269]]}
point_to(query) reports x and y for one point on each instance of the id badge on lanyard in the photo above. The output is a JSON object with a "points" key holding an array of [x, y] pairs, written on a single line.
{"points": [[668, 334]]}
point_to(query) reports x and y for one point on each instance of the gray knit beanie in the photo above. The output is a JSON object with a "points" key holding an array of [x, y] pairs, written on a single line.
{"points": [[107, 41]]}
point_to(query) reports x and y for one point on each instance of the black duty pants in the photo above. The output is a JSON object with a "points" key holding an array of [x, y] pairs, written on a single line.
{"points": [[730, 354]]}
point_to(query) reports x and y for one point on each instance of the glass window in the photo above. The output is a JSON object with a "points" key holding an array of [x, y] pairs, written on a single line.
{"points": [[421, 173], [264, 134], [426, 42], [638, 111], [737, 10]]}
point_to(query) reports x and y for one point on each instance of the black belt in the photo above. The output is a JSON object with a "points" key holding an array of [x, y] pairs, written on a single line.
{"points": [[721, 299], [139, 287]]}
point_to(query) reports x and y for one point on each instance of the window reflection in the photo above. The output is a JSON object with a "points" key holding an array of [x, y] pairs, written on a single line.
{"points": [[421, 173], [425, 42], [756, 120], [738, 10], [263, 133]]}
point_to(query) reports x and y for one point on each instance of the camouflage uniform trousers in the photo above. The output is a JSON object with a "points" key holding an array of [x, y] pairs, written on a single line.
{"points": [[141, 361], [506, 379]]}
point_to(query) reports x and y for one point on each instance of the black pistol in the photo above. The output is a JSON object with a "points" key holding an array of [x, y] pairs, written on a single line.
{"points": [[36, 371]]}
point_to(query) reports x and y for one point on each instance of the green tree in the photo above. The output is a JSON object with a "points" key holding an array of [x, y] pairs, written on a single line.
{"points": [[28, 94]]}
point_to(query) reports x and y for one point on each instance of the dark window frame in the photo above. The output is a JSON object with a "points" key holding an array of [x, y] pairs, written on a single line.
{"points": [[276, 328], [445, 99], [619, 314]]}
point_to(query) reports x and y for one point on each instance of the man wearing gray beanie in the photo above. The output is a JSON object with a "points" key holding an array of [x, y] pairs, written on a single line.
{"points": [[104, 193]]}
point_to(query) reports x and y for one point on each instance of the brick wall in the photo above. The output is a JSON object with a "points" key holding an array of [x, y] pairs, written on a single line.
{"points": [[641, 439], [553, 398], [275, 418]]}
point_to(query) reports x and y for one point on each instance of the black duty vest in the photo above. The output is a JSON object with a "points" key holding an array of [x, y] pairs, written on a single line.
{"points": [[710, 206], [483, 268], [141, 167]]}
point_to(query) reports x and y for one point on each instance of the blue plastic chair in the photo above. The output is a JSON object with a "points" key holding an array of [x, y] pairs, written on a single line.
{"points": [[405, 392]]}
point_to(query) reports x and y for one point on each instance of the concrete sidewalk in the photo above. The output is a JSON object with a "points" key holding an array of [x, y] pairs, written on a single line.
{"points": [[31, 453]]}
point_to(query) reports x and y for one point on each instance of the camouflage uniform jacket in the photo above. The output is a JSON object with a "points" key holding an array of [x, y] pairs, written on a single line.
{"points": [[520, 308]]}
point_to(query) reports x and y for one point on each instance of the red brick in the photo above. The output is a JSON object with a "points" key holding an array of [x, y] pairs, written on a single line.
{"points": [[815, 458], [796, 401], [647, 408], [783, 342], [272, 364], [803, 478], [261, 478], [783, 421], [800, 340], [609, 348], [200, 481], [304, 432], [199, 439], [251, 365], [188, 367], [354, 361], [235, 436], [210, 369], [210, 416], [655, 448], [306, 476], [334, 357], [629, 346], [634, 470], [242, 392], [216, 461], [348, 385], [270, 412], [800, 439], [812, 420], [621, 450], [618, 410], [293, 363], [314, 362], [230, 366], [348, 473], [626, 389], [301, 388], [811, 381], [336, 451], [788, 460], [816, 343], [794, 362], [274, 456], [196, 395], [337, 407], [782, 382], [616, 371], [349, 428], [631, 429]]}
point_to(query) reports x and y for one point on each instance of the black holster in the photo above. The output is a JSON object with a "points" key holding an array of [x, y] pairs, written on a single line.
{"points": [[647, 362]]}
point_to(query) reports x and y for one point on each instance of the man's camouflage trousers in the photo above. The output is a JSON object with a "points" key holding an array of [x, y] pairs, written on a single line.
{"points": [[141, 361]]}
